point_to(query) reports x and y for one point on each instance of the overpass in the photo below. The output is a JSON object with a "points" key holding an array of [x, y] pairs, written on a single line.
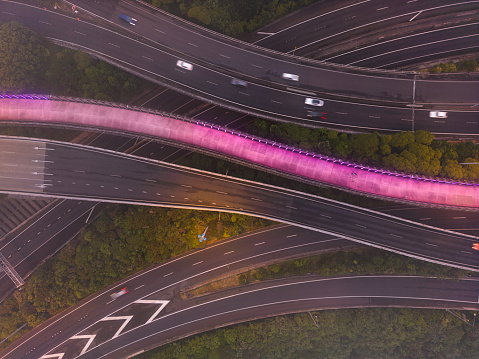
{"points": [[244, 148]]}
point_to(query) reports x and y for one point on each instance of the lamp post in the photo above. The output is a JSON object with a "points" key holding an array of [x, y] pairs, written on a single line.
{"points": [[474, 321]]}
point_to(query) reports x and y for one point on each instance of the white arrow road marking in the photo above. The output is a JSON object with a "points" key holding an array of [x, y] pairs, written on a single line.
{"points": [[126, 318], [90, 340], [147, 301], [57, 356]]}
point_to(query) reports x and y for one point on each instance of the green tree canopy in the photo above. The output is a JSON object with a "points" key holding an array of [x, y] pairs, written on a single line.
{"points": [[23, 56]]}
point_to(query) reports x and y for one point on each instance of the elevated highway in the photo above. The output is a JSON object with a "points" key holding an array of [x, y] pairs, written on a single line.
{"points": [[354, 98], [238, 146], [85, 173]]}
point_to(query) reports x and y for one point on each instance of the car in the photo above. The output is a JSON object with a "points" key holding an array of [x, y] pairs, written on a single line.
{"points": [[237, 82], [313, 101], [314, 114], [128, 19], [291, 77], [438, 114], [119, 294], [184, 65], [475, 246]]}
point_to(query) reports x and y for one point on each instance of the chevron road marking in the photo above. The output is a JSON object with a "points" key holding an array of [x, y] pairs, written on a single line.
{"points": [[148, 301], [126, 318]]}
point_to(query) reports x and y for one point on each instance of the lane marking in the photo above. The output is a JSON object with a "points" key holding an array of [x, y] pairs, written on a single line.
{"points": [[159, 31], [150, 180], [113, 45], [115, 176], [383, 8], [228, 252], [415, 16], [186, 186], [466, 252], [432, 245], [360, 225], [257, 199], [166, 275], [221, 192], [258, 244], [276, 102], [224, 56], [148, 58], [324, 215], [395, 235], [139, 287], [46, 23], [211, 83], [291, 207], [192, 44], [80, 33], [458, 217], [259, 67], [424, 219], [292, 235], [198, 263]]}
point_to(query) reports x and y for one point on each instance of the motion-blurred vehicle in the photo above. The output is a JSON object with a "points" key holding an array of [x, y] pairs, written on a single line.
{"points": [[128, 19], [438, 114], [313, 101], [240, 83], [184, 65], [475, 246], [119, 294], [291, 77]]}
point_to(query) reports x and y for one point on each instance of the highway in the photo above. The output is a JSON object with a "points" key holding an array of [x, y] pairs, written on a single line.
{"points": [[410, 49], [93, 318], [225, 142], [86, 173], [384, 98], [323, 24]]}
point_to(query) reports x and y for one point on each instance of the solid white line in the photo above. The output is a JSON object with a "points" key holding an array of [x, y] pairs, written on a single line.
{"points": [[415, 16]]}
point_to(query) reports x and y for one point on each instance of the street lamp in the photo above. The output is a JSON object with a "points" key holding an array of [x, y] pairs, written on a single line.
{"points": [[474, 320]]}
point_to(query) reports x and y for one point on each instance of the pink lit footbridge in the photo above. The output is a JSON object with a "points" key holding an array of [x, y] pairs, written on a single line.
{"points": [[42, 110]]}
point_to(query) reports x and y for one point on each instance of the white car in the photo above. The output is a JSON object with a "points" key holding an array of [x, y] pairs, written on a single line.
{"points": [[119, 294], [291, 77], [313, 101], [184, 65], [438, 114]]}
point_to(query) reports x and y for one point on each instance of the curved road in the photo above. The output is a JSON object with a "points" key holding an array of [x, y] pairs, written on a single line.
{"points": [[70, 171], [253, 151], [268, 95]]}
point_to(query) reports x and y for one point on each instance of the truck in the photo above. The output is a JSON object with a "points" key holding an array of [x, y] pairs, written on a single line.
{"points": [[128, 19]]}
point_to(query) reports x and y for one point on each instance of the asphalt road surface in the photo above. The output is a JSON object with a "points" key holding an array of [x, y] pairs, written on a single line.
{"points": [[93, 174], [153, 309], [268, 94]]}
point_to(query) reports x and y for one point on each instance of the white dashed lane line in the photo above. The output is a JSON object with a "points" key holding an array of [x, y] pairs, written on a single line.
{"points": [[258, 244], [197, 263], [292, 235], [228, 252]]}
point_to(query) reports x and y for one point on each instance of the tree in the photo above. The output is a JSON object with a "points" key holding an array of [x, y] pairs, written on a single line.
{"points": [[23, 58], [451, 169], [364, 145], [400, 140], [423, 137]]}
